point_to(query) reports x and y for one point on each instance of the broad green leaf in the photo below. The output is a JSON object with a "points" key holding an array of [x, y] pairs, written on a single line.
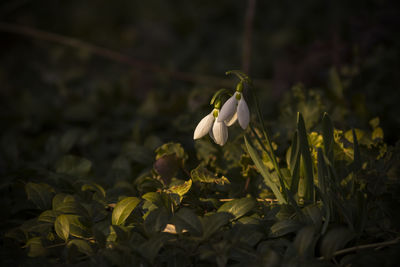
{"points": [[214, 222], [188, 220], [306, 158], [284, 227], [123, 209], [305, 241], [40, 194], [238, 207], [156, 221], [118, 233], [202, 175], [334, 240], [171, 149], [36, 248], [74, 166], [94, 187], [48, 216], [161, 200], [151, 247], [264, 172], [82, 245], [181, 189], [61, 226], [78, 226], [69, 205]]}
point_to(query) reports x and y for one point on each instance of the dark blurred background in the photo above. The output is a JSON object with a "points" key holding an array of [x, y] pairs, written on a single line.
{"points": [[145, 70]]}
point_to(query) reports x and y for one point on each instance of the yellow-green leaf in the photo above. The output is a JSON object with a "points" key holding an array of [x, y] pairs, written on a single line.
{"points": [[123, 209], [61, 225]]}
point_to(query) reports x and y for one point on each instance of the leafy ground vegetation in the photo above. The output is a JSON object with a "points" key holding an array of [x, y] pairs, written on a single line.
{"points": [[98, 164]]}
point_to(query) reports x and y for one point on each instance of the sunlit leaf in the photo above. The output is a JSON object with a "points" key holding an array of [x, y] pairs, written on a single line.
{"points": [[123, 209], [305, 158], [202, 175], [36, 248], [238, 207], [181, 189], [61, 226], [264, 172]]}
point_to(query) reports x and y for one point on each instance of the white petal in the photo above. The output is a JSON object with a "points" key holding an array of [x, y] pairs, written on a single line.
{"points": [[243, 113], [204, 126], [220, 132], [212, 136], [228, 109], [231, 120]]}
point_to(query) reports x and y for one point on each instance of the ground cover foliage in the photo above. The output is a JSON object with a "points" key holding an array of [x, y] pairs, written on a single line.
{"points": [[99, 167]]}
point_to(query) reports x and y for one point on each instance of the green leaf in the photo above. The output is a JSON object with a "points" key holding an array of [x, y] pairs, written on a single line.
{"points": [[61, 225], [334, 240], [284, 227], [181, 189], [82, 245], [238, 207], [161, 200], [74, 166], [294, 163], [188, 220], [40, 194], [214, 222], [36, 248], [202, 175], [123, 209], [95, 188], [69, 205], [264, 172], [156, 221], [305, 241], [171, 149], [49, 216], [306, 158], [151, 247], [78, 226], [314, 215]]}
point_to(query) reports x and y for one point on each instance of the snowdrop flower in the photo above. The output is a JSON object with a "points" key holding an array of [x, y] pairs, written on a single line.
{"points": [[235, 108], [216, 129]]}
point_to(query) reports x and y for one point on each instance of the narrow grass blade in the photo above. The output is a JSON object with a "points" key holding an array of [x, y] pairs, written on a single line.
{"points": [[306, 156], [264, 172], [294, 163]]}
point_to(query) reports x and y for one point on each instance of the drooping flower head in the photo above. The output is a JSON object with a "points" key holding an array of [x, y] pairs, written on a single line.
{"points": [[217, 130], [235, 108]]}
